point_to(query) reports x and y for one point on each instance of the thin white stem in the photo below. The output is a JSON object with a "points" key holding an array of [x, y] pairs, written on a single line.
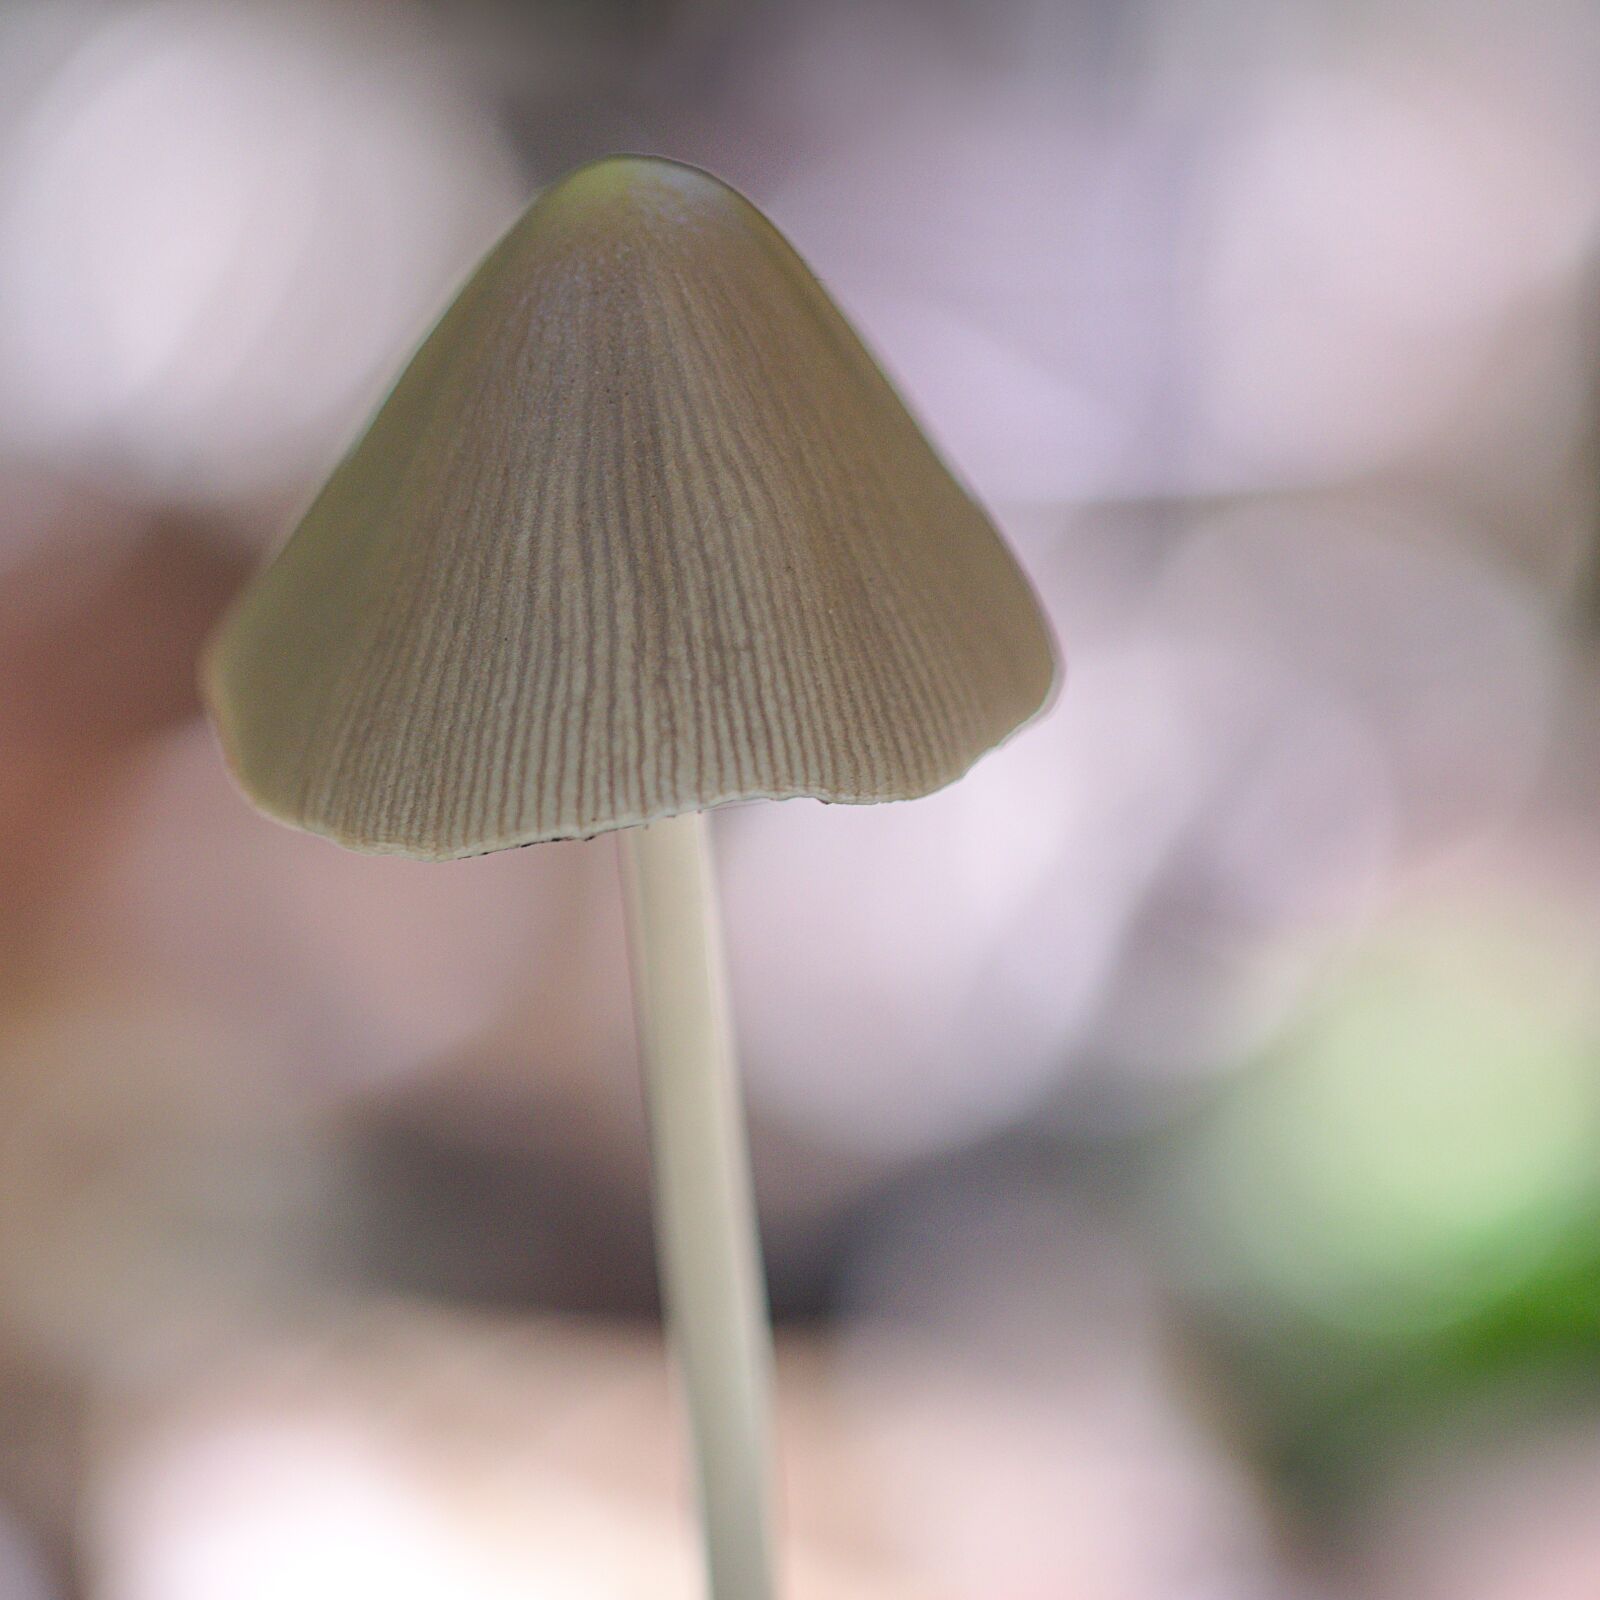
{"points": [[707, 1244]]}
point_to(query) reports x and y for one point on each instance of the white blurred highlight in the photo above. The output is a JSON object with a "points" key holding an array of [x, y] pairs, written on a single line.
{"points": [[1367, 239], [859, 937], [219, 225], [315, 1508]]}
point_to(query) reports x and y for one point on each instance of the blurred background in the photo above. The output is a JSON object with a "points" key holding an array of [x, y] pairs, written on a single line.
{"points": [[1178, 1144]]}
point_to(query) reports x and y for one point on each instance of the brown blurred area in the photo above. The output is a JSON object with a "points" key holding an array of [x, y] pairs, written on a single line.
{"points": [[1178, 1144]]}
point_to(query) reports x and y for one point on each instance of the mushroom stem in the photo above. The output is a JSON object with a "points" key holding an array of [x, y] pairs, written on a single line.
{"points": [[708, 1249]]}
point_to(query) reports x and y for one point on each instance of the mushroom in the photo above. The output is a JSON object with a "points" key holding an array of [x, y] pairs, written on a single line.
{"points": [[640, 530]]}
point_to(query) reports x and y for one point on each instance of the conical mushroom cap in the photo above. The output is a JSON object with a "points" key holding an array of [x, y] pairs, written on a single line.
{"points": [[640, 530]]}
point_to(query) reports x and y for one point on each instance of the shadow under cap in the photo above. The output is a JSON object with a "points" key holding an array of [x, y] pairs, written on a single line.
{"points": [[641, 529]]}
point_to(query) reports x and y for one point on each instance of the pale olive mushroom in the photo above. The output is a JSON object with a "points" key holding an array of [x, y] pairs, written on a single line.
{"points": [[640, 530]]}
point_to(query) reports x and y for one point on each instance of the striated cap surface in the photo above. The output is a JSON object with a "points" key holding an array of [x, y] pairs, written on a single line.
{"points": [[640, 530]]}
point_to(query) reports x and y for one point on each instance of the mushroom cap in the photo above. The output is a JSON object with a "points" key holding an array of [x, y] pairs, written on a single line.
{"points": [[640, 530]]}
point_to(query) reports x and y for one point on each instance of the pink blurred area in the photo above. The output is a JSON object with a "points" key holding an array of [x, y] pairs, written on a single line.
{"points": [[1267, 332]]}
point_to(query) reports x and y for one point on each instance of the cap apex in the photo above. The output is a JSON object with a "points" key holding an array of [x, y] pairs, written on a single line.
{"points": [[622, 177]]}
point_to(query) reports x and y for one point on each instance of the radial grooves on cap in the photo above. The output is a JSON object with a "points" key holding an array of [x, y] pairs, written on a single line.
{"points": [[641, 529]]}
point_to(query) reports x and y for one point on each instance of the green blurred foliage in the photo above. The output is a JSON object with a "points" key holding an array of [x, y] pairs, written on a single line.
{"points": [[1390, 1224]]}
